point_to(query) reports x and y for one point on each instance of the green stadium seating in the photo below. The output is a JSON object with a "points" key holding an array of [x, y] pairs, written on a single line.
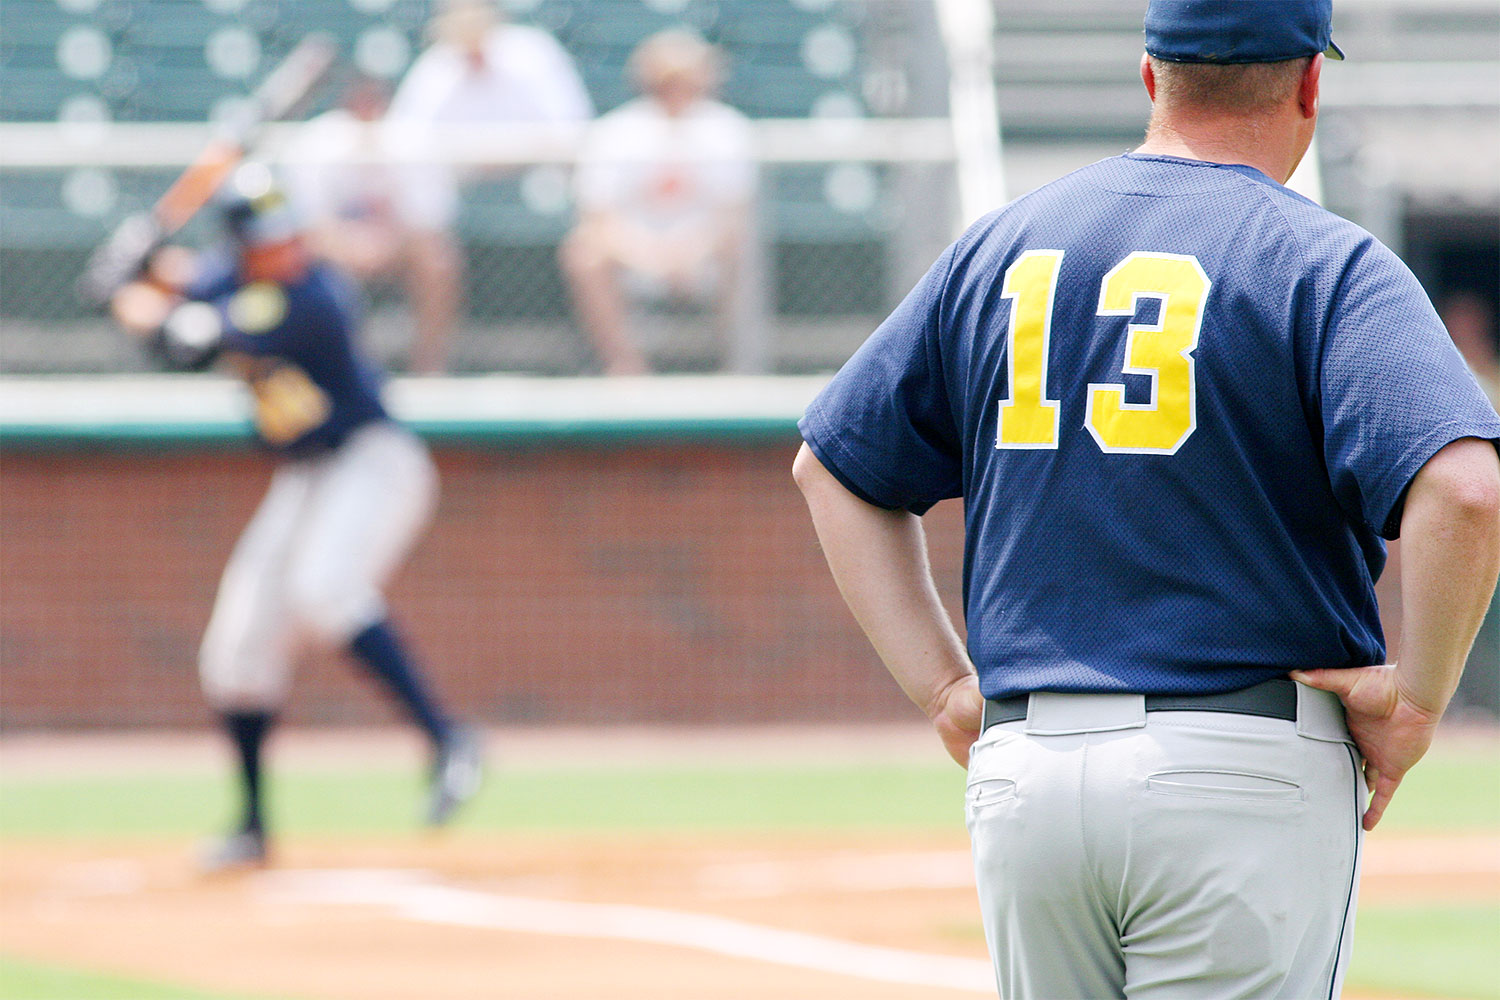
{"points": [[160, 72]]}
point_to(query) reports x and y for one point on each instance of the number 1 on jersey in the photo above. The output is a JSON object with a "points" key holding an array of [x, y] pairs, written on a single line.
{"points": [[1028, 419], [1162, 351]]}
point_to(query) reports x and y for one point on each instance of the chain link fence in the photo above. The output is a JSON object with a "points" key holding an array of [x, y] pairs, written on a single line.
{"points": [[829, 277]]}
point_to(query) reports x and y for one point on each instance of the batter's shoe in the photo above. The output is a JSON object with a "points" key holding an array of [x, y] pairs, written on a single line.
{"points": [[237, 852], [457, 772]]}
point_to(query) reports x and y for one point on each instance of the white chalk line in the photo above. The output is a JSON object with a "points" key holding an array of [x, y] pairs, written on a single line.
{"points": [[853, 871], [419, 896]]}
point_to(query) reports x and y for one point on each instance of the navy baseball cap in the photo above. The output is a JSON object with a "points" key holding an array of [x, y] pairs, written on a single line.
{"points": [[1239, 31]]}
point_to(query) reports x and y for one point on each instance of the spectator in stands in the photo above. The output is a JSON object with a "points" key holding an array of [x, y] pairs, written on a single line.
{"points": [[363, 218], [479, 71], [665, 186]]}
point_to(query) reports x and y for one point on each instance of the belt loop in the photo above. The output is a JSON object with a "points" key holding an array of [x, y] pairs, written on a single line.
{"points": [[1053, 714], [1320, 716]]}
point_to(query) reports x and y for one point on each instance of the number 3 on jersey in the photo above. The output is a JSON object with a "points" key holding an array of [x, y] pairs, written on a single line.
{"points": [[1162, 350]]}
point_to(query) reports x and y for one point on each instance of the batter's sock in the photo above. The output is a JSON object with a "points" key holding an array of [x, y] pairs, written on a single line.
{"points": [[382, 652], [248, 732]]}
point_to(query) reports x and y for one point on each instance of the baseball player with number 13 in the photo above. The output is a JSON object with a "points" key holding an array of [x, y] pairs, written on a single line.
{"points": [[351, 490], [1183, 406]]}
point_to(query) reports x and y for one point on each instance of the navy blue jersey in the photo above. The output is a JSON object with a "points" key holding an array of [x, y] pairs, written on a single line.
{"points": [[295, 346], [1182, 405]]}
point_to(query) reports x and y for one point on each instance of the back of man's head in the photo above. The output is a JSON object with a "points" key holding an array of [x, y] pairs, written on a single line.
{"points": [[1241, 89], [1240, 57]]}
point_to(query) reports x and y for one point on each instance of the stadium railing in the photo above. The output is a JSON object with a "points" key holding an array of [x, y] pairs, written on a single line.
{"points": [[848, 208]]}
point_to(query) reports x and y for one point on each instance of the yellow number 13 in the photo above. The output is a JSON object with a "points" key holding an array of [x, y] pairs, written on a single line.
{"points": [[1162, 350]]}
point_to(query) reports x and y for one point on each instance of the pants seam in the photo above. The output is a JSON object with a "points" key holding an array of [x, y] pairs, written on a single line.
{"points": [[1333, 974], [1109, 908]]}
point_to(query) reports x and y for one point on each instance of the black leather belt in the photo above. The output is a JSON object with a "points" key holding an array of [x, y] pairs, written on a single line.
{"points": [[1273, 699]]}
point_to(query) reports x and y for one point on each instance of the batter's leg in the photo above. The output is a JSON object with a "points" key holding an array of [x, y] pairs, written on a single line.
{"points": [[247, 844], [245, 659], [457, 755], [379, 649], [371, 501]]}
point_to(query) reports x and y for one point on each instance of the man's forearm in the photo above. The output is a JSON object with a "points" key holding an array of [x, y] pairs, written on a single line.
{"points": [[879, 561], [1450, 550], [1450, 553]]}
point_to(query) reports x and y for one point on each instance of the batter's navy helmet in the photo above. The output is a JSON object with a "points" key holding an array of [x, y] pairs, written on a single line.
{"points": [[255, 209]]}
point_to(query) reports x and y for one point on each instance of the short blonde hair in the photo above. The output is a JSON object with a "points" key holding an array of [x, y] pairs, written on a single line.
{"points": [[674, 52], [1236, 88], [463, 23]]}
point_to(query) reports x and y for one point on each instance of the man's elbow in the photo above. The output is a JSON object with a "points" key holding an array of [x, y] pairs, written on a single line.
{"points": [[820, 487], [807, 472], [1479, 498]]}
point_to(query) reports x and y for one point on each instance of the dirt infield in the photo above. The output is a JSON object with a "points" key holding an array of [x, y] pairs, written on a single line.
{"points": [[472, 915], [580, 917]]}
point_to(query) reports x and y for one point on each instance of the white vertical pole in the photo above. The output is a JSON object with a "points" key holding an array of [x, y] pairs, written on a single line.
{"points": [[968, 28]]}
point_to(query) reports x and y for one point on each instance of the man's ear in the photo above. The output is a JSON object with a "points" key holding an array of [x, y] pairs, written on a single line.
{"points": [[1148, 77], [1307, 90]]}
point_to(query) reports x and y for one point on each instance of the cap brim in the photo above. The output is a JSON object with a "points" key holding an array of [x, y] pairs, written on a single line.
{"points": [[1333, 51]]}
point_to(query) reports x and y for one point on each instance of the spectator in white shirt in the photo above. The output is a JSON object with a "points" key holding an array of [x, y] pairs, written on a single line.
{"points": [[480, 71], [665, 186]]}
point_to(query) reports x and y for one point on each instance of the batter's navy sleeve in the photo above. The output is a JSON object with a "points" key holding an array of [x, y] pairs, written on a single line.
{"points": [[903, 453], [216, 277], [1394, 389]]}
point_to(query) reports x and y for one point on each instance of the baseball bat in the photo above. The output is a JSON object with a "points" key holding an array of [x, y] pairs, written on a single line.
{"points": [[281, 95]]}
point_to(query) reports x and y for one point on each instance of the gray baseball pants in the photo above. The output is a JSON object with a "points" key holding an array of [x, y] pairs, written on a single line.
{"points": [[313, 560], [1171, 855]]}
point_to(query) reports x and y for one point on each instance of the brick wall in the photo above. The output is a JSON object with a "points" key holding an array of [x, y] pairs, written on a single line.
{"points": [[630, 583]]}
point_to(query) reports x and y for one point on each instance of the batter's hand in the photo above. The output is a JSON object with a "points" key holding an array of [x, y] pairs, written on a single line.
{"points": [[956, 713], [141, 308], [1391, 730]]}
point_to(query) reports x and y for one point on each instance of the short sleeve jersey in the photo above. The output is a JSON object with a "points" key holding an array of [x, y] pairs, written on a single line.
{"points": [[1182, 405], [310, 385]]}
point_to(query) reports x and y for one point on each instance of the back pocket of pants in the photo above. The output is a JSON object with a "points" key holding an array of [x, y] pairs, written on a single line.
{"points": [[987, 792], [1224, 785]]}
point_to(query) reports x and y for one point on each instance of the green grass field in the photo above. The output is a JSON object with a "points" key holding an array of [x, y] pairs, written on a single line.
{"points": [[1453, 789], [564, 799], [1450, 952], [21, 980]]}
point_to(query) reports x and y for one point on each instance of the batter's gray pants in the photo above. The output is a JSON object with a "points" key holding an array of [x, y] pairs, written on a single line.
{"points": [[312, 562], [1166, 855]]}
